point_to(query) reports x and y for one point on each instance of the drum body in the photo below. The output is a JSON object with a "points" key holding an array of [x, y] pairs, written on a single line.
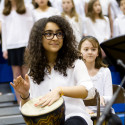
{"points": [[94, 119], [49, 115]]}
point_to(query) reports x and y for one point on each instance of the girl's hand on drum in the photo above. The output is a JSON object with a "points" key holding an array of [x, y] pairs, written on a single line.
{"points": [[49, 98], [21, 86]]}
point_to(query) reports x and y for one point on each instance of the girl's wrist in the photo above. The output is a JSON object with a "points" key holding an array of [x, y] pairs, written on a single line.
{"points": [[25, 97], [61, 91]]}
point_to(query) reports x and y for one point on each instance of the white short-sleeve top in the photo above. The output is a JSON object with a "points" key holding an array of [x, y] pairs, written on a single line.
{"points": [[75, 76], [99, 29], [16, 29], [119, 26], [76, 26], [44, 14]]}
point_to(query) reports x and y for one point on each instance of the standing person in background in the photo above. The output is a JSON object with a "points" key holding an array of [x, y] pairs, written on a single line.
{"points": [[55, 64], [74, 19], [16, 25], [57, 4], [99, 73], [80, 7], [43, 9], [119, 23], [115, 10], [106, 11], [95, 23]]}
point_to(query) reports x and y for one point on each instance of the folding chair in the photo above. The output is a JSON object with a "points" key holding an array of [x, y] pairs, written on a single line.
{"points": [[94, 102]]}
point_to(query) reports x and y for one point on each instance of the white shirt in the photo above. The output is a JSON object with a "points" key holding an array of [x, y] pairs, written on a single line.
{"points": [[115, 9], [76, 26], [80, 7], [16, 29], [103, 83], [75, 76], [99, 29], [44, 14], [105, 5], [57, 4], [119, 26], [1, 5]]}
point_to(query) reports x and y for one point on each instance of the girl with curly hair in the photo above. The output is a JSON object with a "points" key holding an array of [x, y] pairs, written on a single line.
{"points": [[55, 65]]}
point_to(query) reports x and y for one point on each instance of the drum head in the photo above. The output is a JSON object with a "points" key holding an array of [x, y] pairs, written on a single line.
{"points": [[28, 109]]}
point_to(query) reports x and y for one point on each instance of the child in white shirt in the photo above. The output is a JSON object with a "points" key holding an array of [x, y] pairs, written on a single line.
{"points": [[119, 23], [96, 24], [16, 25], [43, 9], [73, 17]]}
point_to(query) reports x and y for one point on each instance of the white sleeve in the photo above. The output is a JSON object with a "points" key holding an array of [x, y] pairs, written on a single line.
{"points": [[82, 78], [115, 28], [4, 31], [108, 92], [108, 31], [81, 25], [85, 26]]}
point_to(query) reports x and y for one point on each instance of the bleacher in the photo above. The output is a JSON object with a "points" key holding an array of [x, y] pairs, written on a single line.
{"points": [[9, 109]]}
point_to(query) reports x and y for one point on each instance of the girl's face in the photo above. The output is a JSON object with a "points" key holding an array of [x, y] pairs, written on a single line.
{"points": [[122, 6], [42, 2], [97, 7], [53, 38], [67, 5], [89, 52]]}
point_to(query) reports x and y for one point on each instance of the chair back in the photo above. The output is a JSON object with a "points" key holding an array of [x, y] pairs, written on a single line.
{"points": [[94, 102], [121, 95]]}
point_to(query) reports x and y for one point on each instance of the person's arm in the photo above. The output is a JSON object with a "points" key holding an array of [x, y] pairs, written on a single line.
{"points": [[86, 8], [108, 92], [0, 27], [74, 91], [83, 87], [22, 87], [107, 29], [116, 28], [110, 19]]}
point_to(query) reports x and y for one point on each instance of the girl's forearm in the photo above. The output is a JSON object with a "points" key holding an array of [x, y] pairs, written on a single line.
{"points": [[74, 91]]}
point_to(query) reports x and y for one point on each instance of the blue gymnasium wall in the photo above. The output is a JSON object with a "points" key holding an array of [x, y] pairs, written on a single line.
{"points": [[5, 70]]}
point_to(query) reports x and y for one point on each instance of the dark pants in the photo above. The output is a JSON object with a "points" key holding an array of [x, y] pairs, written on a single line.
{"points": [[76, 120], [114, 120]]}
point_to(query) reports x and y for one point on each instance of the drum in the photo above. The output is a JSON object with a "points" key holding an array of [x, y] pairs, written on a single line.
{"points": [[94, 119], [48, 115]]}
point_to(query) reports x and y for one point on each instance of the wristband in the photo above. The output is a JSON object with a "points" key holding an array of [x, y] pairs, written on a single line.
{"points": [[25, 98], [61, 92]]}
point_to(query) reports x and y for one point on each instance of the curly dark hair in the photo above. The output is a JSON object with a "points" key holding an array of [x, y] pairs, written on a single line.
{"points": [[35, 57]]}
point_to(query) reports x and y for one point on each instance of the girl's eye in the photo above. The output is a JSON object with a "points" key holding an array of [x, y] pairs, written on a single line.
{"points": [[85, 49], [59, 34], [48, 34]]}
